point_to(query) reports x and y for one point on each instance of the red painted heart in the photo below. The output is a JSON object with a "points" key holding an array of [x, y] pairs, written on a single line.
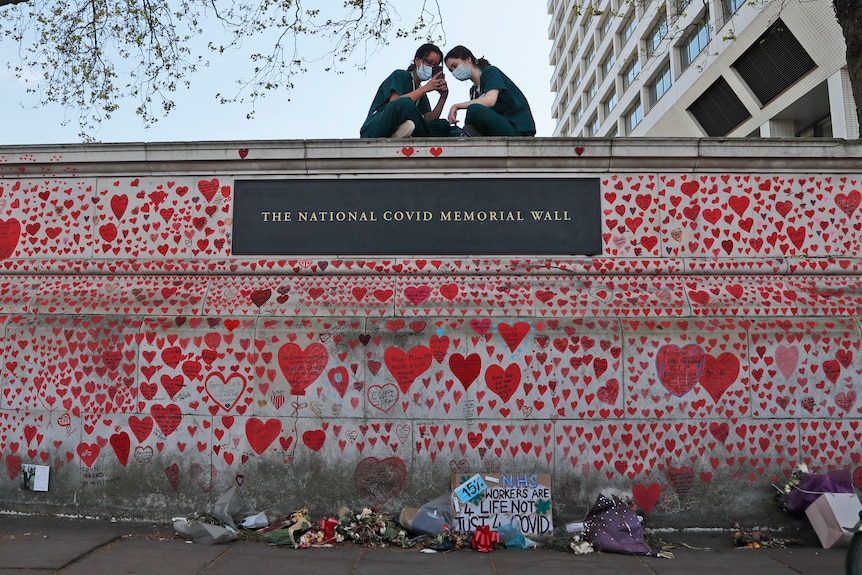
{"points": [[261, 434], [301, 367]]}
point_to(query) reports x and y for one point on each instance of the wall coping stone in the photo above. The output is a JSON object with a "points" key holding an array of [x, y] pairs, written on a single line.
{"points": [[488, 155]]}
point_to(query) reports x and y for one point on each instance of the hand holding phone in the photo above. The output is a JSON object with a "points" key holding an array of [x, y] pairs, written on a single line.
{"points": [[435, 70]]}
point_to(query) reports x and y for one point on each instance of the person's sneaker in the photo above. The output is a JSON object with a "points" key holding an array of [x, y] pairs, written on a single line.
{"points": [[405, 130]]}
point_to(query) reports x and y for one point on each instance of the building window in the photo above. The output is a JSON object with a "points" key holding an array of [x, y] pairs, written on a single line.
{"points": [[591, 91], [660, 85], [606, 25], [656, 34], [610, 103], [729, 7], [607, 64], [593, 128], [576, 81], [590, 54], [695, 42], [631, 72], [576, 115], [634, 117], [628, 28]]}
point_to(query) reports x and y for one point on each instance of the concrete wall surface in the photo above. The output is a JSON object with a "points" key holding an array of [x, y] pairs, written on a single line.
{"points": [[712, 346]]}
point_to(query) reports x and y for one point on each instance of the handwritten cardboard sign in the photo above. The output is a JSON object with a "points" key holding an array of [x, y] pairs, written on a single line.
{"points": [[522, 499]]}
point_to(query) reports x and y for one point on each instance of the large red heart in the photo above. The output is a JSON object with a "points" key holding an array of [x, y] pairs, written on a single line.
{"points": [[208, 188], [609, 392], [646, 496], [406, 367], [503, 382], [141, 427], [513, 334], [380, 480], [679, 369], [167, 417], [314, 439], [261, 434], [680, 479], [121, 444], [466, 369], [119, 204], [719, 373], [848, 203], [10, 232], [13, 466], [302, 366], [339, 379], [88, 452]]}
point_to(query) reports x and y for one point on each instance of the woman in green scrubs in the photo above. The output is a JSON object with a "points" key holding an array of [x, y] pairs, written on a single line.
{"points": [[401, 108], [497, 107]]}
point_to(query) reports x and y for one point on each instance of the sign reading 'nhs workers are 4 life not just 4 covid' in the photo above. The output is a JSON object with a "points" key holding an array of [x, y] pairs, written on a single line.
{"points": [[520, 499]]}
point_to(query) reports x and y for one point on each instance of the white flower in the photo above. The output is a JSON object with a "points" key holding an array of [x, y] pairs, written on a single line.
{"points": [[582, 548]]}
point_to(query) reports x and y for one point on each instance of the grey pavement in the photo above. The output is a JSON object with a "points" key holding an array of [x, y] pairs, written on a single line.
{"points": [[36, 545]]}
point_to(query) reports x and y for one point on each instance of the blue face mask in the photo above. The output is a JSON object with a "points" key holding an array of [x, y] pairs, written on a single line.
{"points": [[462, 72], [423, 72]]}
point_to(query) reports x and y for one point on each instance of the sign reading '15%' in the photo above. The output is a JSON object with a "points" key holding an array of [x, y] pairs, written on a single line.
{"points": [[445, 216]]}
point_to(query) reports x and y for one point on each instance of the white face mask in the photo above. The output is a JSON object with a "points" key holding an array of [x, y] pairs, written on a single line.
{"points": [[423, 72], [462, 72]]}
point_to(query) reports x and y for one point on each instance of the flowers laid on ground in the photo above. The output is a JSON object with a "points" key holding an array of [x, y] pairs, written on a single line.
{"points": [[369, 527], [792, 483], [579, 546], [755, 539]]}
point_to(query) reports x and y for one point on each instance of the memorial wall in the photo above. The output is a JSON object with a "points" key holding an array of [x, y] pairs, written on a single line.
{"points": [[330, 323]]}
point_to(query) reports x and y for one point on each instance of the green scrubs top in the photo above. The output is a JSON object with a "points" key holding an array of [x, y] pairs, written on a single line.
{"points": [[511, 103], [400, 82]]}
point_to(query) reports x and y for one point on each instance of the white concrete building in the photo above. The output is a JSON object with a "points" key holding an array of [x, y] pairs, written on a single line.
{"points": [[735, 68]]}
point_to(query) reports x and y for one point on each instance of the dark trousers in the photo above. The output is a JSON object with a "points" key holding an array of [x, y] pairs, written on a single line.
{"points": [[384, 123], [488, 122]]}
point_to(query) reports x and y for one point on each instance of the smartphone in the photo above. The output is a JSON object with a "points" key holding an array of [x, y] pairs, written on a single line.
{"points": [[438, 69]]}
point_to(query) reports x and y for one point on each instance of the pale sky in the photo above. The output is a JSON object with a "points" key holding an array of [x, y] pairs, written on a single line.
{"points": [[512, 35]]}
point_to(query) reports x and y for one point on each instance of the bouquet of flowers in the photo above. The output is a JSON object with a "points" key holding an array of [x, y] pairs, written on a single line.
{"points": [[792, 483], [370, 528]]}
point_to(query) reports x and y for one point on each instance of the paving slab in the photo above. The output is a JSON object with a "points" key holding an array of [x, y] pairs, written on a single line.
{"points": [[810, 559], [261, 559], [146, 556], [550, 562], [412, 562], [50, 544]]}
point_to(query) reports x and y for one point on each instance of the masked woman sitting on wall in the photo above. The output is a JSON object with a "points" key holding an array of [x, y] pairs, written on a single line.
{"points": [[401, 108], [497, 107]]}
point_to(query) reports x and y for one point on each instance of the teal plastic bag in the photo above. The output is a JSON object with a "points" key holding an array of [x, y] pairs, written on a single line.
{"points": [[511, 537]]}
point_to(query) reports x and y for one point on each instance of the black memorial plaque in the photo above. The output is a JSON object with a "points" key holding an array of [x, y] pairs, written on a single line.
{"points": [[445, 216]]}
